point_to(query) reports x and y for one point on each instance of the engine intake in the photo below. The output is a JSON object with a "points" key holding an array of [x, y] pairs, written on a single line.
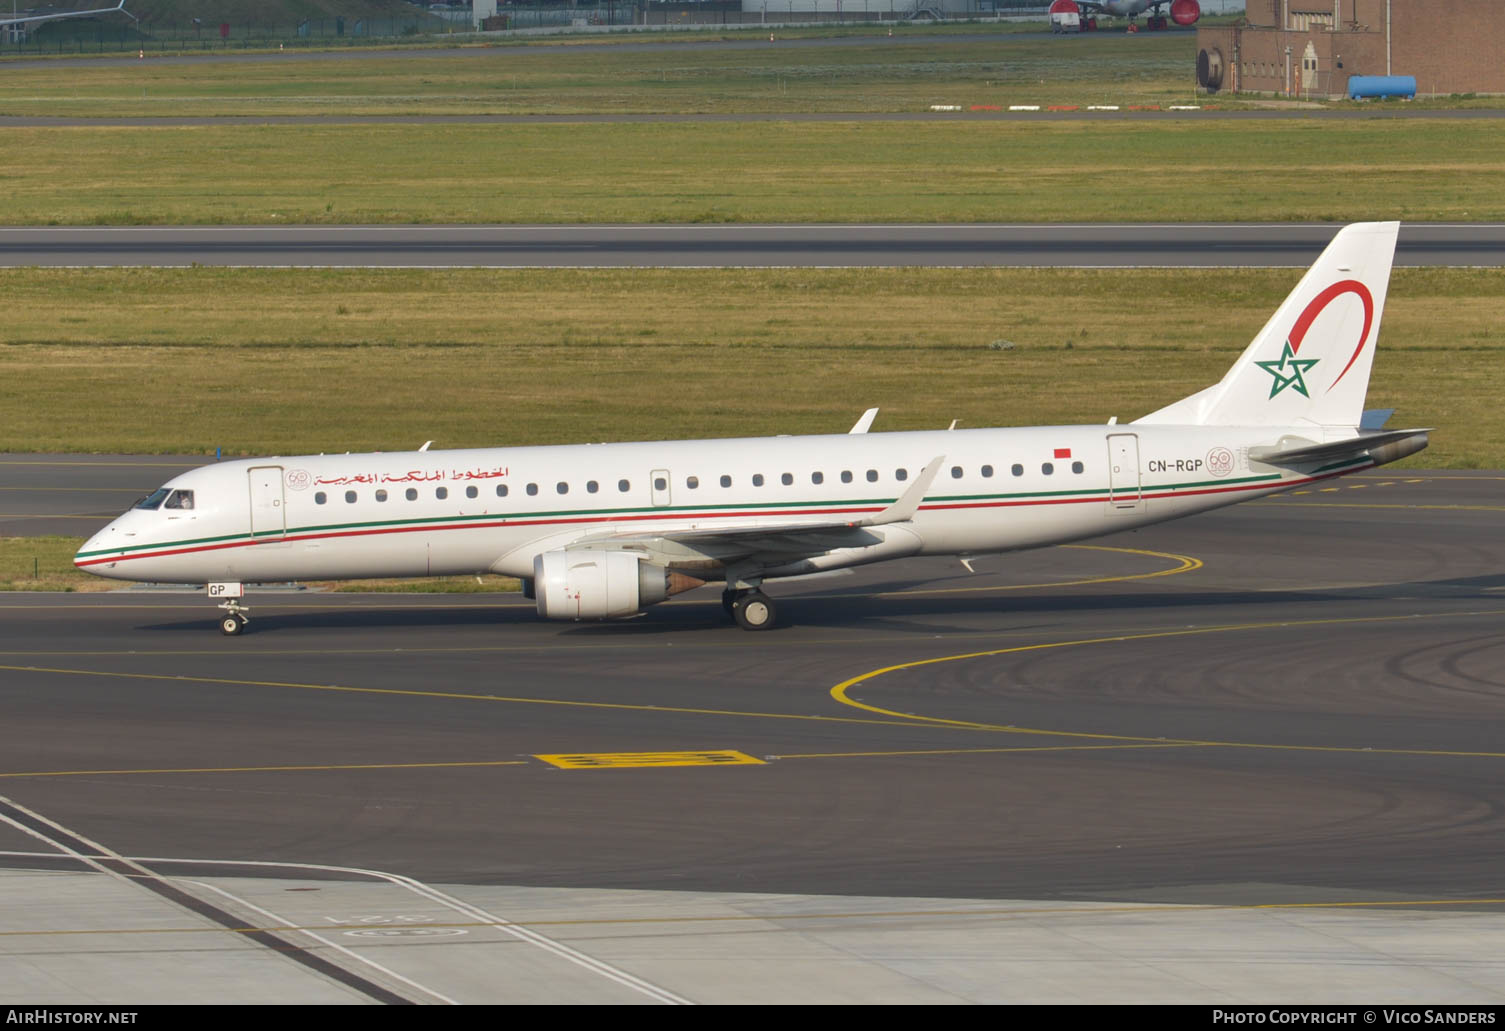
{"points": [[590, 584]]}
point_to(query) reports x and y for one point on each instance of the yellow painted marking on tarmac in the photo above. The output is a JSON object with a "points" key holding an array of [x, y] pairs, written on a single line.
{"points": [[1374, 504], [1185, 564], [639, 760], [262, 769], [452, 695], [1330, 490], [1083, 909], [841, 692], [1426, 479], [901, 753]]}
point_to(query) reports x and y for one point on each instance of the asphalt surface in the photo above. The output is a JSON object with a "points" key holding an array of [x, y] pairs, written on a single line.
{"points": [[1090, 246], [75, 495], [1312, 708]]}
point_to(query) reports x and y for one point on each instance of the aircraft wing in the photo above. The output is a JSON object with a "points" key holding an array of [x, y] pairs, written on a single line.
{"points": [[794, 536], [1296, 451], [33, 18]]}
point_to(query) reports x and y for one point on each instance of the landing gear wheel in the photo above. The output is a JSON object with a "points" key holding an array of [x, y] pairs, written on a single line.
{"points": [[235, 619], [754, 611]]}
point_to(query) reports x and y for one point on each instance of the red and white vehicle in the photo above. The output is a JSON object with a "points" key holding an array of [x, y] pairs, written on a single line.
{"points": [[1082, 15]]}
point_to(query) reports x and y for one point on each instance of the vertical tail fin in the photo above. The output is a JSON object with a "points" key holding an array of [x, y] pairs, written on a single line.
{"points": [[1310, 364]]}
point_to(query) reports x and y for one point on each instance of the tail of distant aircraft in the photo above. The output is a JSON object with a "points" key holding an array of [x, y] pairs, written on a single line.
{"points": [[1310, 364]]}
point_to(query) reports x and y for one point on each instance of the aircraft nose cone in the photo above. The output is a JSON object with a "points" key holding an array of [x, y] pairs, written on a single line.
{"points": [[101, 541]]}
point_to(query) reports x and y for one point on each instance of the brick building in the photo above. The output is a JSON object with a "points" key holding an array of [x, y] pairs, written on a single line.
{"points": [[1309, 48]]}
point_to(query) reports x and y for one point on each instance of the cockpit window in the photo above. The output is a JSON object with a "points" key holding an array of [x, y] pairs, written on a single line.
{"points": [[180, 499], [153, 501]]}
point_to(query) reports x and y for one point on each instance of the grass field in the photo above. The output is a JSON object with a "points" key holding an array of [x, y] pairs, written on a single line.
{"points": [[267, 361], [705, 74], [761, 171], [46, 564]]}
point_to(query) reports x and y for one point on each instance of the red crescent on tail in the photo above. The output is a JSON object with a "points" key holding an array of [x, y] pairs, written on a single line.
{"points": [[1312, 310]]}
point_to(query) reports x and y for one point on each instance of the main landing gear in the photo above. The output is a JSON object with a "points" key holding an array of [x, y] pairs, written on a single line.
{"points": [[751, 608]]}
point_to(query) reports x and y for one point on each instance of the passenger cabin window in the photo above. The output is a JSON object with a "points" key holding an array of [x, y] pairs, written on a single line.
{"points": [[562, 487], [872, 476], [1047, 468], [786, 479], [591, 486], [501, 490], [726, 481], [179, 499], [319, 497], [987, 472], [350, 497], [846, 476], [153, 501], [623, 486], [1017, 469], [381, 495], [1077, 467], [817, 478], [532, 489], [692, 482], [471, 492], [441, 493], [901, 474], [660, 483], [411, 493], [956, 472], [757, 479]]}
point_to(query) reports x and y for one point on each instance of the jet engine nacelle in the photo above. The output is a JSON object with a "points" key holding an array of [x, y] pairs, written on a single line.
{"points": [[1185, 12], [588, 584]]}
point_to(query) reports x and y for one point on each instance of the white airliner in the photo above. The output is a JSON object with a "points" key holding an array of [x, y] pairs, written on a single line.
{"points": [[598, 531], [24, 22], [1182, 12]]}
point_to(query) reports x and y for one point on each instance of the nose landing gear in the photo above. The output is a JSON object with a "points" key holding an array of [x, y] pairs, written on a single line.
{"points": [[235, 618]]}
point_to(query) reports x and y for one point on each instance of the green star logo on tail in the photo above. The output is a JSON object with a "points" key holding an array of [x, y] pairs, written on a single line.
{"points": [[1289, 371]]}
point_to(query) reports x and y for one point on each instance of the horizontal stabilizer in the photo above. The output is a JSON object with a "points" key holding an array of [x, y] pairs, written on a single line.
{"points": [[1297, 451]]}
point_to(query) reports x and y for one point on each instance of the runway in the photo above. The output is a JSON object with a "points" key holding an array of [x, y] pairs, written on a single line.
{"points": [[75, 495], [1291, 702], [700, 246]]}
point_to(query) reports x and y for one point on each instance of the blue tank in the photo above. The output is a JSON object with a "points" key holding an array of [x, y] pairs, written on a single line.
{"points": [[1381, 86]]}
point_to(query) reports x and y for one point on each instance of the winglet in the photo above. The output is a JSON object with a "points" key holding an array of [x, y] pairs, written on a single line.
{"points": [[905, 507], [863, 423]]}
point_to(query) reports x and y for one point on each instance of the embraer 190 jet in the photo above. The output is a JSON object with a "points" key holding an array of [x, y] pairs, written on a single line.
{"points": [[601, 531]]}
